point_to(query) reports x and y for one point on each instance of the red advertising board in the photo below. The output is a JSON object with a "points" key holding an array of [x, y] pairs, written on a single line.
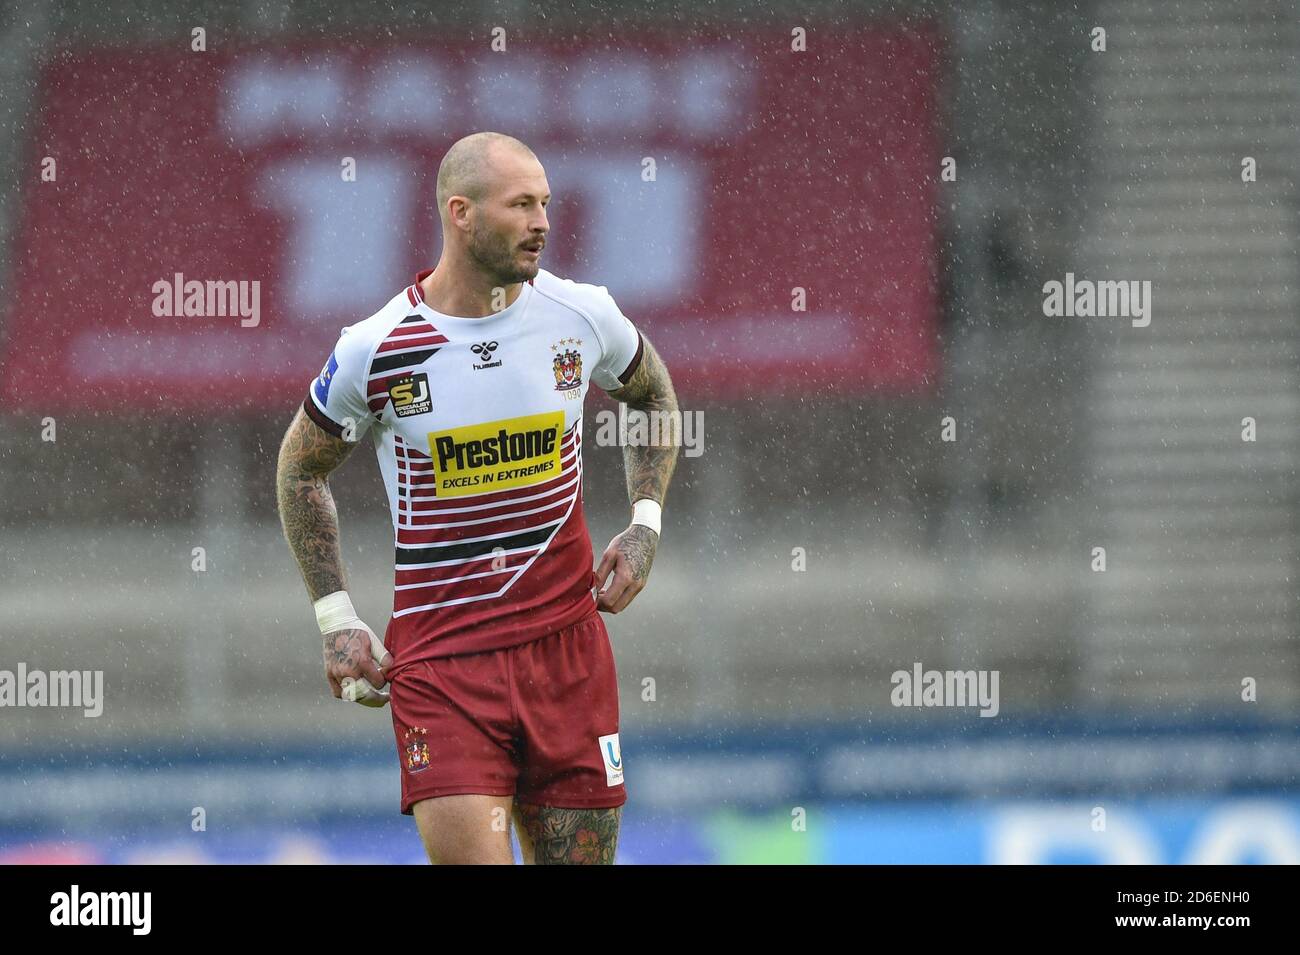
{"points": [[195, 228]]}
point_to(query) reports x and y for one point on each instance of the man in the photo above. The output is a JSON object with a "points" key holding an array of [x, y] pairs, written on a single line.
{"points": [[496, 661]]}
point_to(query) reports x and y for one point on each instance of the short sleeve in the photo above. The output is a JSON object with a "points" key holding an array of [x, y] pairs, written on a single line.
{"points": [[621, 343], [337, 397]]}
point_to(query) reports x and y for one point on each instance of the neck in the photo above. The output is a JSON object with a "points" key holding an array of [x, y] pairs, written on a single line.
{"points": [[459, 289]]}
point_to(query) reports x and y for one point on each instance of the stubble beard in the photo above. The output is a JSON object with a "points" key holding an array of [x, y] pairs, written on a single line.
{"points": [[496, 258]]}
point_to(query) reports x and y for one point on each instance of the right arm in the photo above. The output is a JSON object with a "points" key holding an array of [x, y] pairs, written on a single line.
{"points": [[308, 454], [307, 513]]}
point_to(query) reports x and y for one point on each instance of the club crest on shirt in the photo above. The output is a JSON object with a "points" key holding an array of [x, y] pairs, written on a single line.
{"points": [[567, 363], [416, 749]]}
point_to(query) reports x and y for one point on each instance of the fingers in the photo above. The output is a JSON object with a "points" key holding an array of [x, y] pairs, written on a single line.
{"points": [[607, 562], [619, 603], [354, 674], [371, 673], [361, 691], [617, 563], [369, 668], [622, 588]]}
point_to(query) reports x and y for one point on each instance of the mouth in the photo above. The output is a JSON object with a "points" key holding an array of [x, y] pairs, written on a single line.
{"points": [[534, 249]]}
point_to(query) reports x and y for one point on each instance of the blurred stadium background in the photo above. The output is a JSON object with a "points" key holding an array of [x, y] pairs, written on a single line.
{"points": [[1120, 690]]}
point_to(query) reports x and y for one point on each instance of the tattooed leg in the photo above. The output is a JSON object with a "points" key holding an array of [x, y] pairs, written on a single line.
{"points": [[568, 836]]}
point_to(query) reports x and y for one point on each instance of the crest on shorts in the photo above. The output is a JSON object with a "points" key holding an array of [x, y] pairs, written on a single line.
{"points": [[416, 749], [567, 364]]}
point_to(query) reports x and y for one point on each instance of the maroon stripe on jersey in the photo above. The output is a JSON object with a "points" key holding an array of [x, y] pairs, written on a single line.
{"points": [[440, 533], [478, 565], [414, 453], [412, 344], [564, 560], [412, 323], [320, 419], [480, 587], [408, 345], [635, 362], [414, 335], [410, 294]]}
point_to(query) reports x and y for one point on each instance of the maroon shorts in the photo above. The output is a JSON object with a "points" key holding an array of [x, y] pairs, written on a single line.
{"points": [[538, 721]]}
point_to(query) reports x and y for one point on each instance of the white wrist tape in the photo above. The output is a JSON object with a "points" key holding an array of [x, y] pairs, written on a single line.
{"points": [[335, 612], [647, 512]]}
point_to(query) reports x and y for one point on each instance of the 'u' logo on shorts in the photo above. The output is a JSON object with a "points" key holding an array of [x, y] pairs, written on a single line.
{"points": [[612, 757]]}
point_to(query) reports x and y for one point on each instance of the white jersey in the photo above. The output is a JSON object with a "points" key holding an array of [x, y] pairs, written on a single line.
{"points": [[477, 425]]}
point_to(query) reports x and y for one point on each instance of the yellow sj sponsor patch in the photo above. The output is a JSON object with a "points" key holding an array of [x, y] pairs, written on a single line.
{"points": [[497, 455]]}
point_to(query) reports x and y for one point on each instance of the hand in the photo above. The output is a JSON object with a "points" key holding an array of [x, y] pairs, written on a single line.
{"points": [[629, 556], [356, 665]]}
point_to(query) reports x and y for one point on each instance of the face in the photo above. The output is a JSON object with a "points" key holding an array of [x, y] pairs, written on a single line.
{"points": [[508, 228]]}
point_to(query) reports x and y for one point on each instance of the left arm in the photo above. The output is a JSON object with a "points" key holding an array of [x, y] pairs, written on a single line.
{"points": [[649, 470]]}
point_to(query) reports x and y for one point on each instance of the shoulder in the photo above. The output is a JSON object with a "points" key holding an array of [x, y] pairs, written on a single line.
{"points": [[592, 302]]}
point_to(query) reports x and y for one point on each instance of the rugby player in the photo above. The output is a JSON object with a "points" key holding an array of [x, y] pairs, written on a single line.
{"points": [[497, 664]]}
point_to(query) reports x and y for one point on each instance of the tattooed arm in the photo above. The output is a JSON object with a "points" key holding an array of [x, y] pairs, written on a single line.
{"points": [[311, 525], [649, 468], [310, 520]]}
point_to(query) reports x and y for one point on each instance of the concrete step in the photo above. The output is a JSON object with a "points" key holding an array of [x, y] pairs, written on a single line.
{"points": [[1139, 438], [1225, 355], [1260, 86], [1187, 152], [1191, 491], [1156, 463], [1242, 579], [1267, 405], [1242, 520], [1138, 218], [1215, 383], [1209, 191]]}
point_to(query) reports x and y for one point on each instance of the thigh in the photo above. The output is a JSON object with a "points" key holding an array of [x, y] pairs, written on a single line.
{"points": [[553, 835], [567, 702], [465, 830]]}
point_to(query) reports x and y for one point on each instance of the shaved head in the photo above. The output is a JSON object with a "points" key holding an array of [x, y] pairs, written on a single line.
{"points": [[467, 169], [492, 196]]}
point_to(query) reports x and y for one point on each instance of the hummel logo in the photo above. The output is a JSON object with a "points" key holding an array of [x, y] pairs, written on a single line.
{"points": [[484, 351]]}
